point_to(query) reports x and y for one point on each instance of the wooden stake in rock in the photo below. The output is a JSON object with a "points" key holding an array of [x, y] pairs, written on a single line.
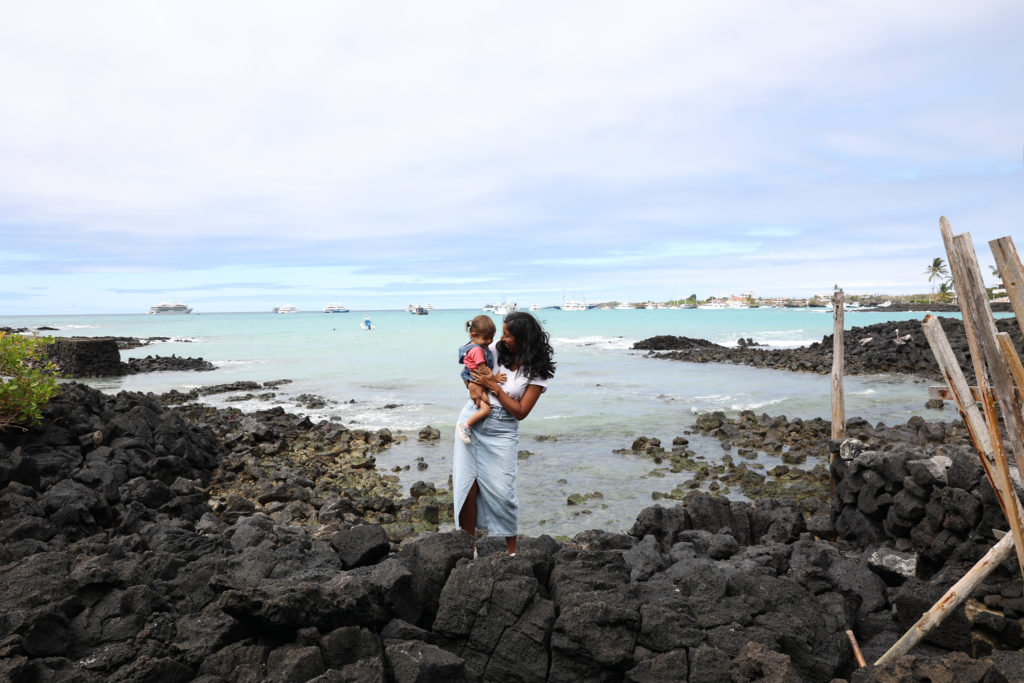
{"points": [[951, 600], [838, 368], [856, 649]]}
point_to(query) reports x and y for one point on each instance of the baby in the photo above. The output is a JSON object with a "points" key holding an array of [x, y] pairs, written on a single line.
{"points": [[481, 333]]}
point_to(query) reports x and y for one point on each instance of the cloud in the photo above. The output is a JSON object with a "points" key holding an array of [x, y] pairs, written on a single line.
{"points": [[467, 145]]}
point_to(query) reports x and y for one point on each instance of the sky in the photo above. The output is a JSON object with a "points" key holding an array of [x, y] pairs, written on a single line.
{"points": [[237, 156]]}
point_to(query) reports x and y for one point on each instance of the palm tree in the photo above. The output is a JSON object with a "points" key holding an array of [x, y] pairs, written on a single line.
{"points": [[946, 291], [995, 271], [936, 271]]}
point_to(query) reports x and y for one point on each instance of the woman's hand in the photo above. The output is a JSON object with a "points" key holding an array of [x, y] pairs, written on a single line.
{"points": [[483, 376]]}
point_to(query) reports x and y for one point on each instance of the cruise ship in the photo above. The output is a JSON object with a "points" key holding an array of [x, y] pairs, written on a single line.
{"points": [[285, 309], [335, 308], [168, 307]]}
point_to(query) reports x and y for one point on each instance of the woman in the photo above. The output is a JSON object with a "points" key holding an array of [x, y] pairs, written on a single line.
{"points": [[484, 472]]}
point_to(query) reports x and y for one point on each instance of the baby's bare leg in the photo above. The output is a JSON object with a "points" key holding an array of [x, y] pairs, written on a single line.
{"points": [[479, 397]]}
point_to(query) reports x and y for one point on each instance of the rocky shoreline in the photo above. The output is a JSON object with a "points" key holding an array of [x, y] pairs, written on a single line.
{"points": [[889, 347], [144, 542]]}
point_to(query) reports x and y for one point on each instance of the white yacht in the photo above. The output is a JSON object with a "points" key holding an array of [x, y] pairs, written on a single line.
{"points": [[285, 309], [714, 305], [624, 307], [335, 308], [504, 308], [167, 307], [490, 308], [534, 307]]}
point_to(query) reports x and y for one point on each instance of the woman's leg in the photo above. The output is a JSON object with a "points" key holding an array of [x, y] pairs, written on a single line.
{"points": [[467, 515]]}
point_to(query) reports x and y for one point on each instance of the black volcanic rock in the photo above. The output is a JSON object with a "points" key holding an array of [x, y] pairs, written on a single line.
{"points": [[896, 347], [134, 546]]}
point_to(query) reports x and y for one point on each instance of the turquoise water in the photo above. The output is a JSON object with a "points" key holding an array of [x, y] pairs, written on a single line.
{"points": [[603, 396]]}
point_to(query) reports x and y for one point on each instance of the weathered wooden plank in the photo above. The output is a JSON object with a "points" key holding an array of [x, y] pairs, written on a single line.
{"points": [[1012, 273], [1013, 360], [838, 368], [959, 390], [959, 276]]}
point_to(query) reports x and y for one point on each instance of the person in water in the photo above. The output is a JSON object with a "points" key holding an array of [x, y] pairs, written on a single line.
{"points": [[473, 354]]}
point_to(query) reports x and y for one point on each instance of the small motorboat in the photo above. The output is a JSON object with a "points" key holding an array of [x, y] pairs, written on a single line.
{"points": [[366, 324]]}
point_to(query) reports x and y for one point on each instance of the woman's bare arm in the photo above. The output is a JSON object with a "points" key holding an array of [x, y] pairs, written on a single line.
{"points": [[517, 409]]}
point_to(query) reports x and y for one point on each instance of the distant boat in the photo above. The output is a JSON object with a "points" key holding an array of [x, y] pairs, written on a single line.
{"points": [[624, 307], [417, 310], [430, 307], [366, 324], [534, 307], [285, 309], [504, 308], [169, 308], [714, 305], [574, 306], [335, 308], [490, 308]]}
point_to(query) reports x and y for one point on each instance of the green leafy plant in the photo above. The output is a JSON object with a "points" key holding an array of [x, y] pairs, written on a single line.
{"points": [[27, 379]]}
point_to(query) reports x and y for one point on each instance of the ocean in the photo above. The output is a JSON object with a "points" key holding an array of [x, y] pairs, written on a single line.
{"points": [[404, 375]]}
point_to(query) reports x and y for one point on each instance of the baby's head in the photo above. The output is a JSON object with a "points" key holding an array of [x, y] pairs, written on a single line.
{"points": [[481, 330]]}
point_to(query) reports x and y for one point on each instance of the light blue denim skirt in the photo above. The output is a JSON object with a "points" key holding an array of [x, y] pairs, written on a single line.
{"points": [[491, 461]]}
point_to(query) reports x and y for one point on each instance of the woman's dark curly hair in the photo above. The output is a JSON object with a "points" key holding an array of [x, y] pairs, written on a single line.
{"points": [[535, 356]]}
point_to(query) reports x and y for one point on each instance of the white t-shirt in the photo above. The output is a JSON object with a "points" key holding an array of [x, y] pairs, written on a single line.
{"points": [[516, 383]]}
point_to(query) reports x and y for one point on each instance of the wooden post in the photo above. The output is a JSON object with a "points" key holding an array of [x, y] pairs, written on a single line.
{"points": [[838, 368], [1016, 368], [994, 350], [964, 399], [856, 649], [985, 326], [987, 441], [959, 279], [951, 600], [1012, 273]]}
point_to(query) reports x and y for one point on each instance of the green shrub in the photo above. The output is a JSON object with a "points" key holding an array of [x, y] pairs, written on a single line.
{"points": [[27, 379]]}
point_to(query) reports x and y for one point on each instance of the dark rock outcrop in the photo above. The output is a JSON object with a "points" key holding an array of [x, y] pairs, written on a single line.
{"points": [[897, 346], [141, 542]]}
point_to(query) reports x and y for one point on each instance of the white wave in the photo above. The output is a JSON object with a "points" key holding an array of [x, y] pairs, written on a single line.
{"points": [[754, 405], [197, 340], [77, 327], [776, 339], [866, 392], [786, 343], [596, 340], [556, 417], [237, 363]]}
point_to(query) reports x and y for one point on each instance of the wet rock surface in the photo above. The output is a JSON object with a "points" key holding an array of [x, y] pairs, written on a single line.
{"points": [[144, 542], [896, 347]]}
